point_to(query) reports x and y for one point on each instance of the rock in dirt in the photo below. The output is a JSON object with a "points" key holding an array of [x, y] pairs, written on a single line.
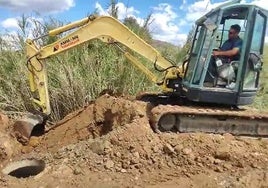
{"points": [[99, 146], [187, 151], [109, 164], [77, 171], [178, 148], [218, 169], [34, 141], [168, 149], [227, 166], [217, 161], [223, 154], [4, 122]]}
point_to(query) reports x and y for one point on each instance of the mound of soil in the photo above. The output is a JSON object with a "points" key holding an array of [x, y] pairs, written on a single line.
{"points": [[110, 144], [8, 145]]}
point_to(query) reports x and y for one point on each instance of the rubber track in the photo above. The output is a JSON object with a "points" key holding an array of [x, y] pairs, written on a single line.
{"points": [[213, 120]]}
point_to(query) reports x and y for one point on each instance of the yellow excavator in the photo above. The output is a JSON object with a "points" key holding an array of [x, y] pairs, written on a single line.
{"points": [[198, 103]]}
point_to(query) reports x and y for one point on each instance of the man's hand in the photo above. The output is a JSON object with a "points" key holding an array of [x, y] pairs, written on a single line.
{"points": [[216, 53]]}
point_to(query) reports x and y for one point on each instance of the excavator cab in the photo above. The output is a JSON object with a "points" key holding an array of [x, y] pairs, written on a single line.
{"points": [[207, 82]]}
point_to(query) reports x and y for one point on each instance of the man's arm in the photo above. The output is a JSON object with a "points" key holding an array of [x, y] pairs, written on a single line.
{"points": [[228, 53]]}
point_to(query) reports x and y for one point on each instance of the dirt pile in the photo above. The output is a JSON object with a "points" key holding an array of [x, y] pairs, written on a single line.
{"points": [[8, 145], [103, 116], [110, 144]]}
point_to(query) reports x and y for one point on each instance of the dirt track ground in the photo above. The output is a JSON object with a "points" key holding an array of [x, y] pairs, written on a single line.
{"points": [[110, 144]]}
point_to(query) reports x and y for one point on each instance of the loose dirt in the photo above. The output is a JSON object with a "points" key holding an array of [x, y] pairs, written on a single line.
{"points": [[110, 144]]}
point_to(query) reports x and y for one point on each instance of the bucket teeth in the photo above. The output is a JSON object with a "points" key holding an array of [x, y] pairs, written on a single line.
{"points": [[23, 128]]}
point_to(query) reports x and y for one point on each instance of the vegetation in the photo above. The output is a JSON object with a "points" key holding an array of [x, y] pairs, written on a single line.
{"points": [[261, 101]]}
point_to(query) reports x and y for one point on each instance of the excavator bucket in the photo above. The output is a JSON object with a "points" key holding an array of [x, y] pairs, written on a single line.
{"points": [[23, 128]]}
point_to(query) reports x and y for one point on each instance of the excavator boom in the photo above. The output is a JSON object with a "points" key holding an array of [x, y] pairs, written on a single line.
{"points": [[104, 28]]}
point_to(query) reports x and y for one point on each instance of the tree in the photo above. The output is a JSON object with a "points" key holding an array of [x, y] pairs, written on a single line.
{"points": [[113, 9], [182, 55], [140, 30]]}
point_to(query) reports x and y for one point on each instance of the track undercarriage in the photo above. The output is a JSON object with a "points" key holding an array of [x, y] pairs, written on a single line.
{"points": [[192, 119], [183, 117]]}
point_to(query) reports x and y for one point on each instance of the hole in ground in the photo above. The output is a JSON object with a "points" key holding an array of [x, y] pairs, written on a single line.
{"points": [[38, 130], [24, 168]]}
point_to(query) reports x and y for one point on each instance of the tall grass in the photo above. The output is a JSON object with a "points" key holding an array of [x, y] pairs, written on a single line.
{"points": [[78, 76], [261, 101], [14, 93]]}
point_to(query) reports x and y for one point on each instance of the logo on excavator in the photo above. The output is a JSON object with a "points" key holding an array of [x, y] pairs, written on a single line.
{"points": [[69, 41], [56, 47], [66, 43]]}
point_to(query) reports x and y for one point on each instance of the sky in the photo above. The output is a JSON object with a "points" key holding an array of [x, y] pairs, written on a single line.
{"points": [[172, 19]]}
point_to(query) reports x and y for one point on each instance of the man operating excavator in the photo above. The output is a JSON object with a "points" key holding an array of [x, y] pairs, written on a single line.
{"points": [[230, 50]]}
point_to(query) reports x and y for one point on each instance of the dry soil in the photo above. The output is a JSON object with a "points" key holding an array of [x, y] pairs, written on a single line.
{"points": [[110, 143]]}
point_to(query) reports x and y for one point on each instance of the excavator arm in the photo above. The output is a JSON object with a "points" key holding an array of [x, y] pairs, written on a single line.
{"points": [[108, 30], [104, 28]]}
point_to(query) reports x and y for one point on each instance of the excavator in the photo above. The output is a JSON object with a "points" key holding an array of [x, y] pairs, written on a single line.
{"points": [[189, 101]]}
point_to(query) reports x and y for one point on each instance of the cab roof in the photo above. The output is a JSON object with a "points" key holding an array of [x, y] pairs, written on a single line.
{"points": [[230, 5]]}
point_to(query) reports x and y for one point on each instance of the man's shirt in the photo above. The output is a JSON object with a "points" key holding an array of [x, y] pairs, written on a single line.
{"points": [[232, 43]]}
